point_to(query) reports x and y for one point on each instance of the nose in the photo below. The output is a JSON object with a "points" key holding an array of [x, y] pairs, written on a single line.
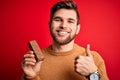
{"points": [[63, 24]]}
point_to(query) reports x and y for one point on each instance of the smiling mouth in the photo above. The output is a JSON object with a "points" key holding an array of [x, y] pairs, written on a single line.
{"points": [[62, 33]]}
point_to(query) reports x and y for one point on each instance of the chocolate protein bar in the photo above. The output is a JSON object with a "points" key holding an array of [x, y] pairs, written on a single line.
{"points": [[37, 51]]}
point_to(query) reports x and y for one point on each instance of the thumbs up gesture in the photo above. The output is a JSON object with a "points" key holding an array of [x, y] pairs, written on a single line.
{"points": [[85, 64]]}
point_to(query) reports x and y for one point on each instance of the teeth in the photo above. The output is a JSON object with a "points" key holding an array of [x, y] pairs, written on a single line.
{"points": [[62, 33]]}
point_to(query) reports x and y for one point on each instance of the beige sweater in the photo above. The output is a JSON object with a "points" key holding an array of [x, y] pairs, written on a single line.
{"points": [[60, 66]]}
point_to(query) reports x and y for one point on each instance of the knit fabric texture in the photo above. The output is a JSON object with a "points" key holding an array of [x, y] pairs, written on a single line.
{"points": [[61, 65]]}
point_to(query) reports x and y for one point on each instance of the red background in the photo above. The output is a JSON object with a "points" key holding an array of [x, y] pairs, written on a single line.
{"points": [[24, 20]]}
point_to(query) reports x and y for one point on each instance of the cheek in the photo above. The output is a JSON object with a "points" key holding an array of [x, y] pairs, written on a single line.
{"points": [[53, 27], [55, 24], [74, 29]]}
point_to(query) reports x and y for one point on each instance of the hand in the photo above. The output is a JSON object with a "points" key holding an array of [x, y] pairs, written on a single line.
{"points": [[85, 64], [30, 66]]}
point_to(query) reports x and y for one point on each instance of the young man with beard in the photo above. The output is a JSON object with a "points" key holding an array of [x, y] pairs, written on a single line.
{"points": [[64, 60]]}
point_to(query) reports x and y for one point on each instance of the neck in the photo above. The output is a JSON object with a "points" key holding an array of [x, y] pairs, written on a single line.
{"points": [[63, 48]]}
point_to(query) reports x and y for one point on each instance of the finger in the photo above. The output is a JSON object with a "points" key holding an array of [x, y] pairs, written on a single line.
{"points": [[29, 63], [39, 63], [79, 58], [88, 53], [26, 63], [29, 55], [30, 60], [30, 52]]}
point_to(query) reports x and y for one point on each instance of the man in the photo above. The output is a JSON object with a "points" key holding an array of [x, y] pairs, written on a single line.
{"points": [[64, 60]]}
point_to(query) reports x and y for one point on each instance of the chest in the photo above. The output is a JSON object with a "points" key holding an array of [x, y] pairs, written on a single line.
{"points": [[59, 68]]}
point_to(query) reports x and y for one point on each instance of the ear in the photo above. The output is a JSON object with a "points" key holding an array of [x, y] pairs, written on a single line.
{"points": [[78, 28]]}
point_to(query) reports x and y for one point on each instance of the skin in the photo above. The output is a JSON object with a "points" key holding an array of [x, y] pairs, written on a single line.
{"points": [[30, 66], [85, 64], [63, 29]]}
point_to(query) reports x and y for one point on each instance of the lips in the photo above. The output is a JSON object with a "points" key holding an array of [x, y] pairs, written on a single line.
{"points": [[62, 33]]}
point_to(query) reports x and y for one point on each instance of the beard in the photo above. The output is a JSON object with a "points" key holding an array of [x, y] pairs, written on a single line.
{"points": [[60, 40]]}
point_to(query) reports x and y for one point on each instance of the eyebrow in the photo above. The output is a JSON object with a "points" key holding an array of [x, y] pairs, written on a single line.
{"points": [[57, 17], [71, 19]]}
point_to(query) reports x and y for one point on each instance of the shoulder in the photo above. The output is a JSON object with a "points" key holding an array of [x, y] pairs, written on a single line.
{"points": [[97, 58], [95, 54], [44, 50]]}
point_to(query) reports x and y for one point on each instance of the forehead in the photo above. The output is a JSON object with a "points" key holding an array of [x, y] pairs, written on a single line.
{"points": [[66, 13]]}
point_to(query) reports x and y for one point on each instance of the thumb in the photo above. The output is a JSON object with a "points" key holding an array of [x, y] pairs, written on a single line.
{"points": [[88, 53], [39, 62]]}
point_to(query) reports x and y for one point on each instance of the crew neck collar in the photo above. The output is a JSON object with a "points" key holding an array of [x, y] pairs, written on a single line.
{"points": [[52, 52]]}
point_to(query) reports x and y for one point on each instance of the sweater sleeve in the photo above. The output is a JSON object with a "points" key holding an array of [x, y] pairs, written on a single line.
{"points": [[101, 66]]}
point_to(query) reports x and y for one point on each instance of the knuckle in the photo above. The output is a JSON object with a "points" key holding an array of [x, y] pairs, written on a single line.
{"points": [[78, 70], [79, 56], [77, 61], [28, 52], [77, 65], [30, 63]]}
